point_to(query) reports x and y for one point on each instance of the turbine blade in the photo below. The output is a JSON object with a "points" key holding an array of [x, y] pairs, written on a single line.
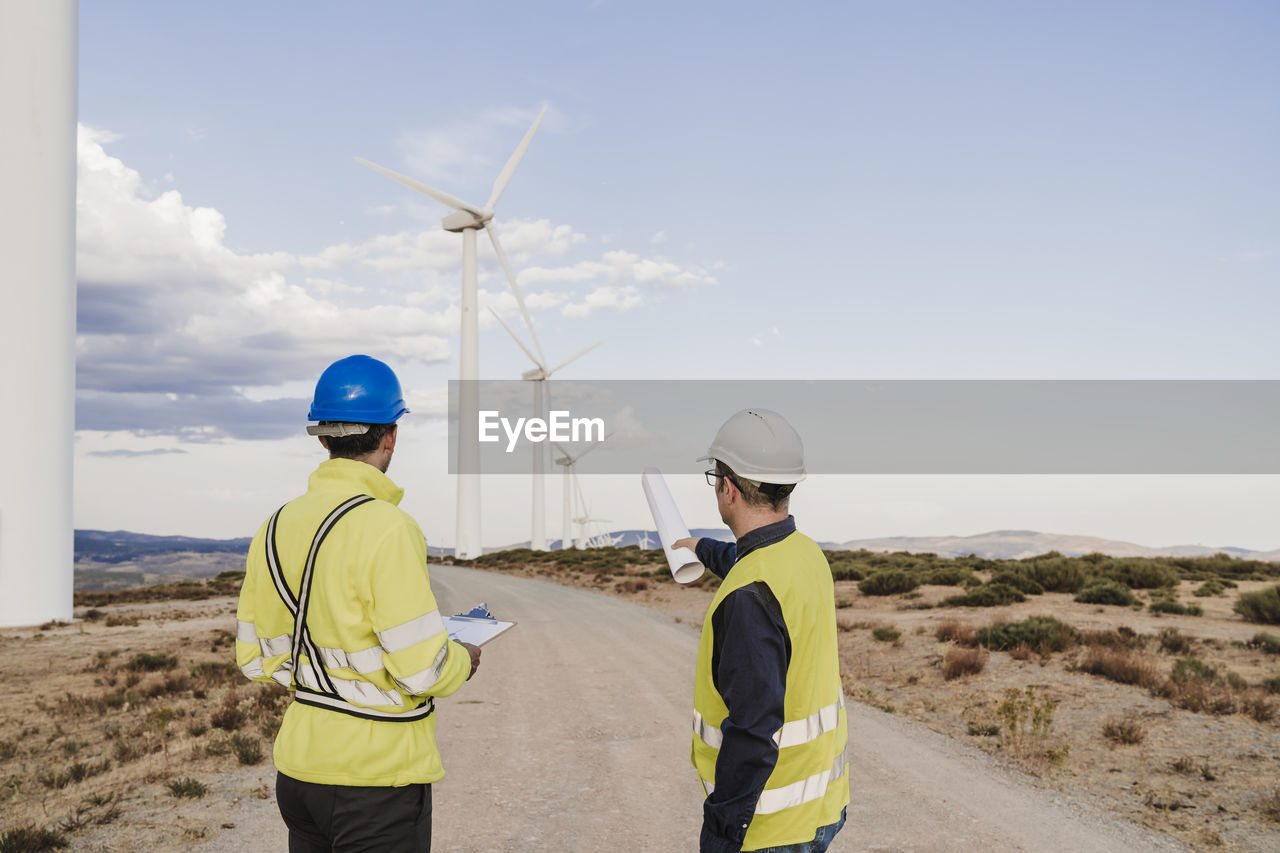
{"points": [[574, 357], [592, 447], [511, 280], [431, 192], [504, 177], [515, 338]]}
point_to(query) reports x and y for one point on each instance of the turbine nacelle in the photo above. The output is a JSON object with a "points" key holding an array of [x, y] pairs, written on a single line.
{"points": [[461, 220]]}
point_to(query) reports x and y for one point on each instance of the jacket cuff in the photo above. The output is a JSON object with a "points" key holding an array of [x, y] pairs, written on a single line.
{"points": [[712, 843]]}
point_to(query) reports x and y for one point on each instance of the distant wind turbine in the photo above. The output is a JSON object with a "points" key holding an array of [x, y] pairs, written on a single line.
{"points": [[468, 218], [540, 376], [570, 486]]}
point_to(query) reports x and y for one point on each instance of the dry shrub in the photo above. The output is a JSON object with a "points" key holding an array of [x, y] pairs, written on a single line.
{"points": [[1201, 696], [151, 662], [1188, 764], [1173, 642], [960, 633], [229, 716], [32, 839], [1020, 652], [963, 661], [247, 749], [1269, 804], [1258, 706], [1027, 729], [1122, 665], [187, 787], [633, 585], [1126, 729], [216, 673], [1122, 637]]}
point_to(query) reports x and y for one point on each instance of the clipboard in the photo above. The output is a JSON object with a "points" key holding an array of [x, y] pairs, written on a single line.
{"points": [[477, 626]]}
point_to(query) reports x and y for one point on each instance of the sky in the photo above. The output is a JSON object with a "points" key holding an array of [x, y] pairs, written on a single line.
{"points": [[854, 190]]}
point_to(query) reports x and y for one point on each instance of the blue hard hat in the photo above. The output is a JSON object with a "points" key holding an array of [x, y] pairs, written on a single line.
{"points": [[358, 389]]}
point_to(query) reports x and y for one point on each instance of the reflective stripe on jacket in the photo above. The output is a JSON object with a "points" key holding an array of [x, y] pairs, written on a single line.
{"points": [[808, 787], [375, 637]]}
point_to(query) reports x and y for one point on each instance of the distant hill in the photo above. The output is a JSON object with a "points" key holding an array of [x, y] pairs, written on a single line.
{"points": [[1017, 544], [121, 546], [642, 538]]}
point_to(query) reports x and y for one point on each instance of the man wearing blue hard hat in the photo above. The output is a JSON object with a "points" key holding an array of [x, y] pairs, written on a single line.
{"points": [[337, 607]]}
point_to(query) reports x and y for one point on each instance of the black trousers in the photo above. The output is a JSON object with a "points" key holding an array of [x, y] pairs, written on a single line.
{"points": [[353, 819]]}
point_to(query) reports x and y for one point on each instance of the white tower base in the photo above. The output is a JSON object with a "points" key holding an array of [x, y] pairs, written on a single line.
{"points": [[38, 47]]}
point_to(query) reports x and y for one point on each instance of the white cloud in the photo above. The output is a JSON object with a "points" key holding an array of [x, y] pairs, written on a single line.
{"points": [[167, 309], [658, 239], [606, 296], [173, 324], [622, 266]]}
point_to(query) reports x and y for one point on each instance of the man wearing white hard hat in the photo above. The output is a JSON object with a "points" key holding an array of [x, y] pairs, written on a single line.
{"points": [[769, 726]]}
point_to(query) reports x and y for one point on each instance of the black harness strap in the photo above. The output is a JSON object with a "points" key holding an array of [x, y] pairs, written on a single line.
{"points": [[327, 696]]}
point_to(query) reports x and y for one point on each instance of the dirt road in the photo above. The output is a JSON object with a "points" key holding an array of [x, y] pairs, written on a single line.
{"points": [[574, 736]]}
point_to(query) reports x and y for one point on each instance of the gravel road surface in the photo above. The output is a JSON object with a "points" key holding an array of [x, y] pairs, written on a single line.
{"points": [[574, 736]]}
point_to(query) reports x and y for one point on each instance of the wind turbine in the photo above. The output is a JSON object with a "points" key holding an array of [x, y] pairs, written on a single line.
{"points": [[570, 485], [541, 377], [468, 218], [643, 540]]}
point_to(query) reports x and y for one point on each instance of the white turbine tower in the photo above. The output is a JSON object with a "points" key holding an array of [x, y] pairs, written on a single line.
{"points": [[468, 218], [587, 535], [38, 42], [644, 540], [540, 376], [570, 487]]}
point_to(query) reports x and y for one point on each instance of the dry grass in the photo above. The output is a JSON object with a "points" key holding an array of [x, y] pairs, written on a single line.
{"points": [[960, 633], [959, 662], [1121, 665], [1124, 729], [1269, 804], [1122, 637], [1173, 642]]}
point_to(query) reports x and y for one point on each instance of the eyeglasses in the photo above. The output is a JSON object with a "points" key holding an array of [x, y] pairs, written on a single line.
{"points": [[713, 476]]}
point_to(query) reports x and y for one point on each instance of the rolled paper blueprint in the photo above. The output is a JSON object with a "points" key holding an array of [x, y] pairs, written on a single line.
{"points": [[685, 567]]}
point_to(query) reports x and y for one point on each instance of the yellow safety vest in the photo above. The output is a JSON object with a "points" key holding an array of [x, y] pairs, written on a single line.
{"points": [[350, 567], [808, 787]]}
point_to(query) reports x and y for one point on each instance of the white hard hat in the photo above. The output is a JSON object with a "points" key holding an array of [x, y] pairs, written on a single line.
{"points": [[759, 445]]}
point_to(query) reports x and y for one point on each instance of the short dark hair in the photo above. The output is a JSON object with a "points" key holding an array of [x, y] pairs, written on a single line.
{"points": [[776, 496], [356, 446]]}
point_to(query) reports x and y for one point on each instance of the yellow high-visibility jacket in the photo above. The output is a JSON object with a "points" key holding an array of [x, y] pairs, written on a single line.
{"points": [[374, 649], [809, 786]]}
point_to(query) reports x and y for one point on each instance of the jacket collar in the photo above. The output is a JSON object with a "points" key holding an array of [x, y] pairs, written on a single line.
{"points": [[354, 478], [767, 535]]}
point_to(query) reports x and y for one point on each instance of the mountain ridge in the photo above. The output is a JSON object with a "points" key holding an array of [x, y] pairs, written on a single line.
{"points": [[121, 546]]}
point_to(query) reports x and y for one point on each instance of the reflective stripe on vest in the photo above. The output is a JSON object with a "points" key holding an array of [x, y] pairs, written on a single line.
{"points": [[365, 661], [314, 685], [797, 793], [793, 733]]}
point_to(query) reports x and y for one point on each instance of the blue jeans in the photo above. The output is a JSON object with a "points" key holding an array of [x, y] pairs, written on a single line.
{"points": [[821, 840]]}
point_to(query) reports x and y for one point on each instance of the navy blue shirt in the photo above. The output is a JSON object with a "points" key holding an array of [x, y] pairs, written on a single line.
{"points": [[749, 658]]}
